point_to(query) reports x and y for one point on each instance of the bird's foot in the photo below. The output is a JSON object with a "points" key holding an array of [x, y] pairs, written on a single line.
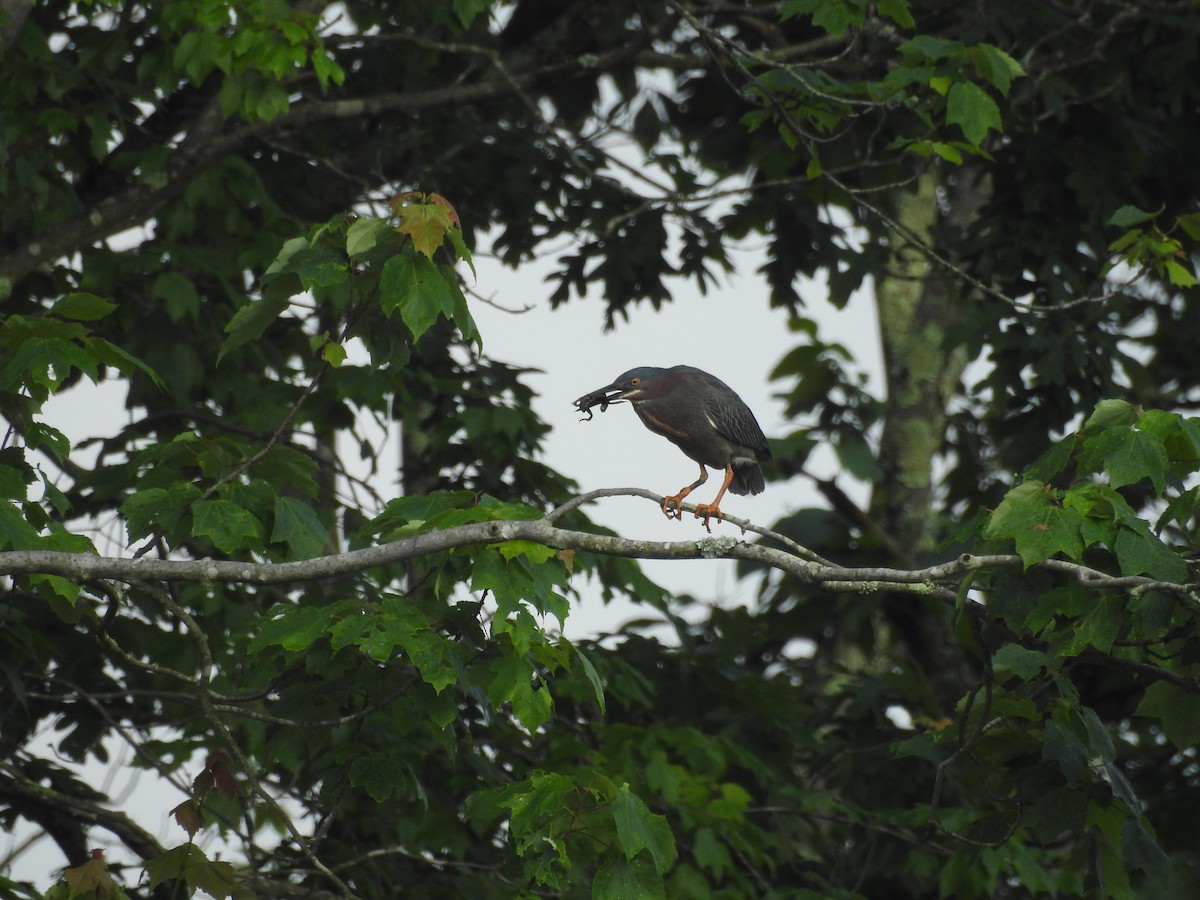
{"points": [[672, 507], [708, 510]]}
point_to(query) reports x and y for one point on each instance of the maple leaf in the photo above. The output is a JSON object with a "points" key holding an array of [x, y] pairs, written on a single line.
{"points": [[91, 879], [187, 814], [398, 200], [218, 764], [442, 201], [202, 783], [426, 224]]}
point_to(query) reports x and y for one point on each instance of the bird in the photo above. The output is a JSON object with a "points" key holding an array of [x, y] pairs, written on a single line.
{"points": [[702, 416]]}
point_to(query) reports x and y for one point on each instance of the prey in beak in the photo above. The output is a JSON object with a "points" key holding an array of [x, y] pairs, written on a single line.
{"points": [[613, 393]]}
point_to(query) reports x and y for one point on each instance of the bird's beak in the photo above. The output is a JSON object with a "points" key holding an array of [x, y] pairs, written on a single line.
{"points": [[602, 397]]}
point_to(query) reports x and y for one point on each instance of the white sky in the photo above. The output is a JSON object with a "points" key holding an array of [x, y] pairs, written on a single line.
{"points": [[732, 333]]}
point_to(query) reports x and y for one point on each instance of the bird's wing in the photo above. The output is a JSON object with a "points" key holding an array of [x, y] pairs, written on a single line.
{"points": [[736, 423]]}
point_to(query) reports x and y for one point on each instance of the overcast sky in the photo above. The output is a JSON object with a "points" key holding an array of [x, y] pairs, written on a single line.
{"points": [[732, 333]]}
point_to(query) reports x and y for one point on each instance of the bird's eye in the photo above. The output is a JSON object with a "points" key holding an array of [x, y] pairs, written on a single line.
{"points": [[634, 380]]}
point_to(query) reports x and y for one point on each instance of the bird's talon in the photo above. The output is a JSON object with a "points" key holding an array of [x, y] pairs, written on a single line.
{"points": [[707, 511]]}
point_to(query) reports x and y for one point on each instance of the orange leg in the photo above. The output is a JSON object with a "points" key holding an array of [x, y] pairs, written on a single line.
{"points": [[708, 510], [676, 500]]}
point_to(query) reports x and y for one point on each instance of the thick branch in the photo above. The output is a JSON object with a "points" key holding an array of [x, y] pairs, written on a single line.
{"points": [[125, 829], [939, 580], [206, 143]]}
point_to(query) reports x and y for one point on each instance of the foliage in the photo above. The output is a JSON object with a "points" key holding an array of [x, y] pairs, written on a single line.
{"points": [[255, 218]]}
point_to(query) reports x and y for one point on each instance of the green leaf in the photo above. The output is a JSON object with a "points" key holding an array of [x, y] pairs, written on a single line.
{"points": [[509, 582], [318, 267], [930, 47], [15, 531], [950, 151], [1111, 874], [217, 879], [1064, 746], [327, 68], [1040, 527], [897, 11], [380, 775], [196, 54], [362, 235], [620, 879], [1129, 216], [287, 469], [513, 681], [41, 436], [1052, 461], [969, 107], [856, 456], [178, 294], [249, 323], [463, 319], [1177, 710], [533, 803], [229, 526], [593, 676], [91, 879], [430, 652], [333, 353], [467, 10], [1141, 552], [1100, 627], [157, 509], [532, 707], [1111, 414], [420, 508], [1138, 455], [414, 286], [188, 863], [834, 16], [282, 261], [1019, 661], [297, 525], [126, 363], [533, 551], [639, 829], [84, 307], [295, 627], [997, 67], [49, 361], [461, 250], [381, 638], [710, 852], [15, 473], [1179, 275]]}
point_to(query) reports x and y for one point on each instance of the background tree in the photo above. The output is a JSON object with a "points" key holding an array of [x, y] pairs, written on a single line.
{"points": [[212, 202]]}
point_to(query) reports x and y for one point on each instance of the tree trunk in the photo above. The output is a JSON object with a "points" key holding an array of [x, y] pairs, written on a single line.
{"points": [[919, 303]]}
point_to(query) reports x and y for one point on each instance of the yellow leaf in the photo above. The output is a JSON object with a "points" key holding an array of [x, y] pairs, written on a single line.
{"points": [[426, 224], [187, 814]]}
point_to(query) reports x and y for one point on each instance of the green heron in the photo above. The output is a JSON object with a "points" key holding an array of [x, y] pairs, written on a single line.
{"points": [[703, 417]]}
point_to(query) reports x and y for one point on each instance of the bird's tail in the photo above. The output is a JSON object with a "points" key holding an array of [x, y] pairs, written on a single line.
{"points": [[747, 478]]}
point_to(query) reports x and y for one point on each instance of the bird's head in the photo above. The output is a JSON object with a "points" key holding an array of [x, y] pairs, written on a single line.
{"points": [[636, 384]]}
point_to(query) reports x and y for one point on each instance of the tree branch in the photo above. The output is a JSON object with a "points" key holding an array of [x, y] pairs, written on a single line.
{"points": [[205, 143], [132, 835], [941, 580]]}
